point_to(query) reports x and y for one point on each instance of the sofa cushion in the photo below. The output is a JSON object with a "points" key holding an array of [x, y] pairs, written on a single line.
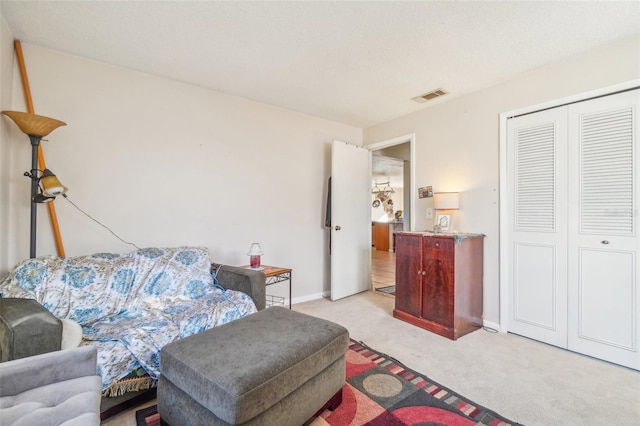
{"points": [[241, 369], [71, 334], [72, 401]]}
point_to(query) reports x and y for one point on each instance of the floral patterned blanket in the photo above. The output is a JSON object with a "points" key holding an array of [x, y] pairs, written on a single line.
{"points": [[130, 305]]}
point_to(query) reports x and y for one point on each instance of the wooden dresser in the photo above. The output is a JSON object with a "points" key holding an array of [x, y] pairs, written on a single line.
{"points": [[439, 281]]}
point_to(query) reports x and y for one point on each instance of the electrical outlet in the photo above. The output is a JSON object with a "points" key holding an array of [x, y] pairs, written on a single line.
{"points": [[429, 213]]}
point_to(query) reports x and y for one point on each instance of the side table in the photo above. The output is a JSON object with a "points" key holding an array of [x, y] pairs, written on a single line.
{"points": [[274, 275]]}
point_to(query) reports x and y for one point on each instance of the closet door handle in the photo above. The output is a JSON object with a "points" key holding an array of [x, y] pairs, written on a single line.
{"points": [[605, 242]]}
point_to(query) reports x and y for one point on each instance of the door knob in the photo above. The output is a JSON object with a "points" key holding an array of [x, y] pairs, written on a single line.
{"points": [[337, 228], [605, 242]]}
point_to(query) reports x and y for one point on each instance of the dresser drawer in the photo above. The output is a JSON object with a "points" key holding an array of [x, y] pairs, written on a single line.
{"points": [[437, 247]]}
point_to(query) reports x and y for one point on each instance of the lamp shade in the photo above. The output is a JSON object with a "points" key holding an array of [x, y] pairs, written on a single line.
{"points": [[32, 124], [446, 200], [51, 186], [255, 250]]}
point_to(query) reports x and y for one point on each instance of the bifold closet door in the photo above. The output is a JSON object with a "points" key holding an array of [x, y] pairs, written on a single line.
{"points": [[537, 188], [573, 191], [604, 293]]}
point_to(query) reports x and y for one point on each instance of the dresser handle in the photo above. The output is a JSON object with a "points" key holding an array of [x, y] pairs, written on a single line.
{"points": [[437, 244], [424, 272], [605, 242], [419, 272]]}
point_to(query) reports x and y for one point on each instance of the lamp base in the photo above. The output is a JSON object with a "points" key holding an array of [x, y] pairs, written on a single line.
{"points": [[254, 260]]}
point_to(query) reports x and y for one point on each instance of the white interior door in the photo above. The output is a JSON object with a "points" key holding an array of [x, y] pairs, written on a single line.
{"points": [[536, 184], [350, 219], [604, 313]]}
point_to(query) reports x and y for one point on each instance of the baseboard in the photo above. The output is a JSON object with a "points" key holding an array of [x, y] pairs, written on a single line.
{"points": [[307, 298], [491, 324]]}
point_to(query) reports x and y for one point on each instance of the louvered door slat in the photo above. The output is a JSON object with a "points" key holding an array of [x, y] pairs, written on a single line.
{"points": [[607, 172], [535, 178]]}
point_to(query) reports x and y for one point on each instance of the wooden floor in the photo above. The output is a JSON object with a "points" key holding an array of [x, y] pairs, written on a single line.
{"points": [[383, 268]]}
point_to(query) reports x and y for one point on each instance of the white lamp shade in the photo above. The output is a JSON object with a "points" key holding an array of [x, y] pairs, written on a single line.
{"points": [[446, 200], [255, 250]]}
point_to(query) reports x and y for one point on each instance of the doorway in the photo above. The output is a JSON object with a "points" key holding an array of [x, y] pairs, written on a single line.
{"points": [[391, 166], [383, 272]]}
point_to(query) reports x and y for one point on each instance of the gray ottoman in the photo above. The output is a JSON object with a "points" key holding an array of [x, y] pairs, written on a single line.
{"points": [[274, 367]]}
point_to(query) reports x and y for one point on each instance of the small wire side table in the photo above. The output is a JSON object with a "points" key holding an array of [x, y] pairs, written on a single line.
{"points": [[274, 275]]}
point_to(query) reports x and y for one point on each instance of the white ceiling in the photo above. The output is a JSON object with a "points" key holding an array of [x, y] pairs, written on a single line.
{"points": [[358, 63], [387, 169]]}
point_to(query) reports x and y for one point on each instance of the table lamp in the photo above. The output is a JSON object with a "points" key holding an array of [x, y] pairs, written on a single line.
{"points": [[254, 255]]}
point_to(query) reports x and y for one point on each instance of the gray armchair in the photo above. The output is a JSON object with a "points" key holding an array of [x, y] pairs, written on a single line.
{"points": [[55, 388]]}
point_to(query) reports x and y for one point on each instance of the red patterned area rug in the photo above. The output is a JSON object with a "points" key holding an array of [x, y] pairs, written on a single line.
{"points": [[381, 391]]}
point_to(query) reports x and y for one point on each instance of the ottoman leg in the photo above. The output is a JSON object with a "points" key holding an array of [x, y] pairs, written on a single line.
{"points": [[331, 405], [335, 401]]}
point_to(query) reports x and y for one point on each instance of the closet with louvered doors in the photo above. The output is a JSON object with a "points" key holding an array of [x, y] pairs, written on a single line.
{"points": [[573, 191]]}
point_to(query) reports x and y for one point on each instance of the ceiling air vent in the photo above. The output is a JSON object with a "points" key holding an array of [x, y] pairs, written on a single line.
{"points": [[429, 95]]}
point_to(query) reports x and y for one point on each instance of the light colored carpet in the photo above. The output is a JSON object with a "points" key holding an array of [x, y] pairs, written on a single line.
{"points": [[524, 380]]}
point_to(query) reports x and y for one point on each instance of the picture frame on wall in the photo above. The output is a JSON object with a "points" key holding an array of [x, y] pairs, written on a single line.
{"points": [[425, 192], [443, 221]]}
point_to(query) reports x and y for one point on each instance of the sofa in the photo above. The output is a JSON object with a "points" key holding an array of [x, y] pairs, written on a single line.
{"points": [[131, 305], [55, 388]]}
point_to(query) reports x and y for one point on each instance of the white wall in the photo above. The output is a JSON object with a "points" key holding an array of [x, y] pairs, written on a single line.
{"points": [[164, 163], [457, 142], [6, 75]]}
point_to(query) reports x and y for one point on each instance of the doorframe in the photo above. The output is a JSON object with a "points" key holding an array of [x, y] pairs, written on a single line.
{"points": [[503, 204], [411, 139]]}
